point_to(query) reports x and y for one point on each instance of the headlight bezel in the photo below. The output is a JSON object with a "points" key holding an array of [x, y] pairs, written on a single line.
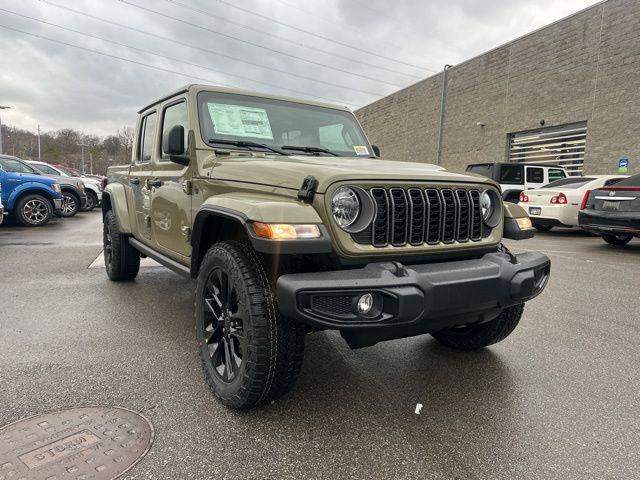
{"points": [[492, 218], [365, 213]]}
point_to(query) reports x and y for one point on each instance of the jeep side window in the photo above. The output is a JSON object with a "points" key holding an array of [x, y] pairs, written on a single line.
{"points": [[511, 174], [535, 175], [175, 114], [556, 174], [148, 138]]}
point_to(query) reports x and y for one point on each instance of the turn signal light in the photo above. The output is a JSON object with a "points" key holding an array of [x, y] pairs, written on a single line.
{"points": [[524, 223], [524, 197], [285, 231], [559, 199]]}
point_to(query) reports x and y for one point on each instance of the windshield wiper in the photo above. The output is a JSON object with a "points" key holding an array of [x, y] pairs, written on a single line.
{"points": [[309, 149], [247, 144]]}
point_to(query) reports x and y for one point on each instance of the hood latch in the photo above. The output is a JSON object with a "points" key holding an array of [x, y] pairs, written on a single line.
{"points": [[308, 189]]}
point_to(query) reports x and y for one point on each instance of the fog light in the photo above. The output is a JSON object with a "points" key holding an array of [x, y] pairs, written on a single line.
{"points": [[365, 304]]}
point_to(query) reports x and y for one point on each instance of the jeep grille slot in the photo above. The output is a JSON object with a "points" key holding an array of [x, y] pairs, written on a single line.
{"points": [[476, 215], [434, 216], [413, 216], [416, 216], [449, 217], [399, 217], [464, 215], [380, 228]]}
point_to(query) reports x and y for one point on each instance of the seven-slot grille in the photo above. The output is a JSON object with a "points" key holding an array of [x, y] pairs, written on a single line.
{"points": [[417, 216]]}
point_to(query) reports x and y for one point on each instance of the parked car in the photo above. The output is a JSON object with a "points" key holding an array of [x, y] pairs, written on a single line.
{"points": [[613, 212], [93, 187], [74, 197], [290, 223], [557, 204], [31, 199], [517, 177], [77, 173]]}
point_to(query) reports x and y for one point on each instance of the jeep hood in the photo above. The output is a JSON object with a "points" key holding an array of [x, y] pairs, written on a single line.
{"points": [[289, 172]]}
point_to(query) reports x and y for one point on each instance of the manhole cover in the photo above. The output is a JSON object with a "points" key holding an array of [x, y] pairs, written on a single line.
{"points": [[79, 443]]}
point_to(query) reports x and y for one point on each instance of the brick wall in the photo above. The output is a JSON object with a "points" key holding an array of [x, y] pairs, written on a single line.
{"points": [[583, 68]]}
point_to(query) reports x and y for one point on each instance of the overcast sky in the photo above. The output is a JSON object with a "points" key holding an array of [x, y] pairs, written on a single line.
{"points": [[350, 51]]}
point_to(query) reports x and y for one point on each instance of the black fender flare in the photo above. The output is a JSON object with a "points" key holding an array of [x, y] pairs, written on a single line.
{"points": [[261, 245]]}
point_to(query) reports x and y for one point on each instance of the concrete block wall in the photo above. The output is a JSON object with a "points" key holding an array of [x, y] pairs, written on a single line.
{"points": [[583, 68]]}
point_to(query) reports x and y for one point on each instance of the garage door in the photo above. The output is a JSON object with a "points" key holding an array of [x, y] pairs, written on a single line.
{"points": [[558, 145]]}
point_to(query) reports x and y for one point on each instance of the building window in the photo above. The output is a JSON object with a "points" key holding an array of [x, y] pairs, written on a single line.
{"points": [[563, 146]]}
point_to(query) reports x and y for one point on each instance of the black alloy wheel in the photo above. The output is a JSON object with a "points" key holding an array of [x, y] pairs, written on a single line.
{"points": [[223, 338]]}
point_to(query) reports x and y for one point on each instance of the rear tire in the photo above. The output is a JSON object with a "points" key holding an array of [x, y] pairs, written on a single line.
{"points": [[251, 354], [618, 240], [33, 210], [121, 260], [473, 337]]}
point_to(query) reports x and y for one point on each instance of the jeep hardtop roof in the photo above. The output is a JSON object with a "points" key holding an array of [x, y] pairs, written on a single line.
{"points": [[196, 88], [486, 164]]}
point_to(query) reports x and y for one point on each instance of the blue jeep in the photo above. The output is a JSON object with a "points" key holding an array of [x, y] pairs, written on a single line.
{"points": [[31, 199]]}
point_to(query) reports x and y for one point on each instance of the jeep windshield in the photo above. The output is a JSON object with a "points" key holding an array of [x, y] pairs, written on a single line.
{"points": [[256, 123]]}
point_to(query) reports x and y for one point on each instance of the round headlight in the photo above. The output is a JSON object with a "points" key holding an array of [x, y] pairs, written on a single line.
{"points": [[345, 206], [486, 205]]}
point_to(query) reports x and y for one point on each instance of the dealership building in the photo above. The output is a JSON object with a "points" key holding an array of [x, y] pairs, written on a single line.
{"points": [[566, 94]]}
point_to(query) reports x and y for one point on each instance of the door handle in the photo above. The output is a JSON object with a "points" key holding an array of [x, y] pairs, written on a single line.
{"points": [[134, 181], [156, 182]]}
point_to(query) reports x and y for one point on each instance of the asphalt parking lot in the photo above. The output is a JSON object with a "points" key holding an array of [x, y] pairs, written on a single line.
{"points": [[560, 398]]}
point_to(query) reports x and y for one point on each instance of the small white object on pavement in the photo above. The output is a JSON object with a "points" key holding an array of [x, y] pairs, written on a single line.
{"points": [[418, 408]]}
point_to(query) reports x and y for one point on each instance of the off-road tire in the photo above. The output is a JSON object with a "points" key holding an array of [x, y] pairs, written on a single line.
{"points": [[76, 205], [274, 345], [121, 260], [21, 216], [542, 228], [92, 201], [618, 240], [473, 337]]}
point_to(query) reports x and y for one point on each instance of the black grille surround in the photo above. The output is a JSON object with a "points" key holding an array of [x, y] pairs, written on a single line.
{"points": [[418, 216]]}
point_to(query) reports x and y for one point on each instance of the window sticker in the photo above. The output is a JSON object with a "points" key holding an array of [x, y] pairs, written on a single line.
{"points": [[240, 121], [361, 150]]}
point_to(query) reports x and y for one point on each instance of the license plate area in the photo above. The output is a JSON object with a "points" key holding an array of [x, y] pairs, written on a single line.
{"points": [[610, 205], [535, 210]]}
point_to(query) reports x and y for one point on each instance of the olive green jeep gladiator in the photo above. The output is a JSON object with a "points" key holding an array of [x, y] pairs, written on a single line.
{"points": [[288, 221]]}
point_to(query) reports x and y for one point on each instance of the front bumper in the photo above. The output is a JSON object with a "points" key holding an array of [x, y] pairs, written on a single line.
{"points": [[57, 204], [413, 299]]}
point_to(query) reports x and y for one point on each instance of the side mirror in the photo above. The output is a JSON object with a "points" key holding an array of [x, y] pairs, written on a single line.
{"points": [[376, 150], [173, 145]]}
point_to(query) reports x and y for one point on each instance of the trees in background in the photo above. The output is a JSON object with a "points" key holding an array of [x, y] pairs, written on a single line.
{"points": [[63, 147]]}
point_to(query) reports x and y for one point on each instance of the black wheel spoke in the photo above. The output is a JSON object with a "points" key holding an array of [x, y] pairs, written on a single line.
{"points": [[223, 325]]}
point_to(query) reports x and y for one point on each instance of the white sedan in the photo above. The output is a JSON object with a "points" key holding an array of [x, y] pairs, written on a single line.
{"points": [[557, 204]]}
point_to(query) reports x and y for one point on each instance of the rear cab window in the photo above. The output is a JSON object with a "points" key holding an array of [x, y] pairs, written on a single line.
{"points": [[484, 170], [556, 174], [511, 174], [535, 175], [147, 139]]}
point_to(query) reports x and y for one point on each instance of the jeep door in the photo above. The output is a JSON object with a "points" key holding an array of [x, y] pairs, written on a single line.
{"points": [[171, 198], [534, 178], [141, 172]]}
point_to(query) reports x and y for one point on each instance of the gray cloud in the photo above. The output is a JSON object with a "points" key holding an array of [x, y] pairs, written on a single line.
{"points": [[59, 86]]}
